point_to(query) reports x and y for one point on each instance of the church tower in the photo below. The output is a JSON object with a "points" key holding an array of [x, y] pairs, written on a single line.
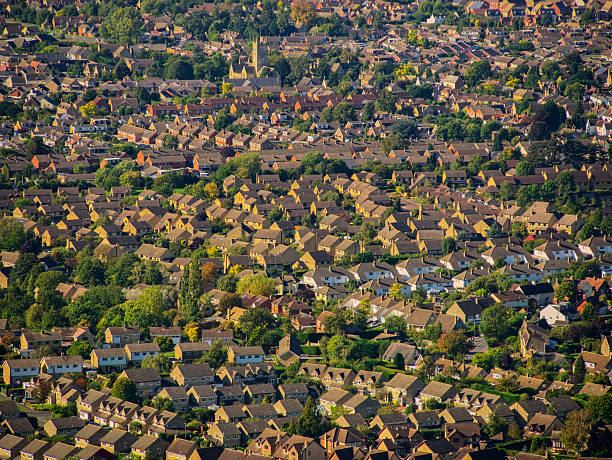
{"points": [[260, 54]]}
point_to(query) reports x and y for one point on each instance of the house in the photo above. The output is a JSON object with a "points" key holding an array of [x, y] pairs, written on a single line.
{"points": [[137, 352], [543, 425], [469, 310], [121, 336], [595, 363], [149, 446], [19, 370], [404, 389], [300, 448], [190, 351], [341, 437], [147, 380], [11, 445], [439, 448], [63, 426], [439, 391], [244, 355], [90, 435], [34, 450], [118, 441], [58, 365], [189, 375], [174, 333], [178, 396], [95, 453], [202, 395], [425, 419], [225, 434], [109, 359], [532, 339]]}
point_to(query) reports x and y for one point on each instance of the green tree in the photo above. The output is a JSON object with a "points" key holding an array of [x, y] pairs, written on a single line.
{"points": [[309, 424], [478, 71], [454, 343], [125, 389], [368, 111], [89, 271], [12, 235], [165, 343], [256, 285], [576, 433], [579, 367], [448, 245], [122, 25], [343, 112], [228, 283], [216, 355], [254, 322], [495, 323], [162, 404], [395, 323], [386, 101], [80, 348], [228, 301], [398, 361], [566, 290], [170, 141], [600, 407], [179, 69], [161, 363], [524, 168]]}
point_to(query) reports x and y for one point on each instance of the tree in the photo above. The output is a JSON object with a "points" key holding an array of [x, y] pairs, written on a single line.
{"points": [[162, 404], [125, 389], [398, 361], [495, 231], [600, 407], [228, 301], [170, 141], [386, 101], [257, 285], [576, 433], [81, 348], [224, 119], [216, 355], [41, 391], [524, 168], [302, 12], [454, 344], [448, 245], [478, 71], [405, 129], [209, 272], [395, 323], [212, 190], [12, 235], [495, 323], [343, 112], [180, 69], [227, 283], [254, 322], [566, 290], [368, 111], [89, 271], [579, 367], [165, 343], [495, 424], [122, 26], [161, 363], [396, 292], [309, 423]]}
